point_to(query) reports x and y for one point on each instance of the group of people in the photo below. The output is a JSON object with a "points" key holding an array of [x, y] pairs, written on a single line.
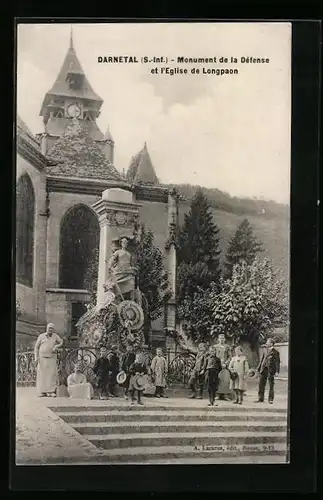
{"points": [[219, 371], [109, 375], [131, 365], [224, 374]]}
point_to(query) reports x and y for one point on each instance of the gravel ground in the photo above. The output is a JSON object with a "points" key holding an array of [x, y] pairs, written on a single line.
{"points": [[41, 434]]}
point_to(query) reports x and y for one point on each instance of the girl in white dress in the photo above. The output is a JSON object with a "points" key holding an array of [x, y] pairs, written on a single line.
{"points": [[238, 366]]}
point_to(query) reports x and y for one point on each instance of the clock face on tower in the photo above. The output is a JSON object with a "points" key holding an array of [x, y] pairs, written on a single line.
{"points": [[74, 110]]}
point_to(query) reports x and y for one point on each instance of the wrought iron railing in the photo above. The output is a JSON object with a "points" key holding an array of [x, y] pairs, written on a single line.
{"points": [[179, 365]]}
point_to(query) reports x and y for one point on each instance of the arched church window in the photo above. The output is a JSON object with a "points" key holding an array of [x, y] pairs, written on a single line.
{"points": [[25, 216], [79, 246]]}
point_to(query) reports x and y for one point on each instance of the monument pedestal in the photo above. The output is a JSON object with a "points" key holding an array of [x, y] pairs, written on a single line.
{"points": [[118, 216]]}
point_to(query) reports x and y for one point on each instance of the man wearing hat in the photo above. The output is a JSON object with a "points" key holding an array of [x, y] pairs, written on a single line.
{"points": [[137, 370], [268, 367]]}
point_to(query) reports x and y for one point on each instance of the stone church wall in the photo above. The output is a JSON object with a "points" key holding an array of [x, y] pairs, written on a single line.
{"points": [[32, 299], [60, 203]]}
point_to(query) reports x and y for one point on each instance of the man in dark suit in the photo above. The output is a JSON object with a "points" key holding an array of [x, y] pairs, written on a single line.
{"points": [[268, 367], [113, 370]]}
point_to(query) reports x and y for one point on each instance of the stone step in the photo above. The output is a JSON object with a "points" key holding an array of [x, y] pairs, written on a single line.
{"points": [[186, 439], [168, 416], [125, 428], [109, 407]]}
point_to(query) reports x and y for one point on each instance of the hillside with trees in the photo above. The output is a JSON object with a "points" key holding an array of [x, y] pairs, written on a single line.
{"points": [[219, 200], [272, 231]]}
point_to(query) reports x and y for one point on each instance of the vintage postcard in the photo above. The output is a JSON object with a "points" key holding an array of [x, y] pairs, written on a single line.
{"points": [[152, 243]]}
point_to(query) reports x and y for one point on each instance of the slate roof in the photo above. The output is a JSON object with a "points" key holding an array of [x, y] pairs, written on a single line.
{"points": [[61, 86], [78, 155], [141, 170], [55, 126], [23, 131]]}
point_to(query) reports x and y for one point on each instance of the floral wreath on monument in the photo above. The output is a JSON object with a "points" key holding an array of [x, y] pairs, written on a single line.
{"points": [[117, 321]]}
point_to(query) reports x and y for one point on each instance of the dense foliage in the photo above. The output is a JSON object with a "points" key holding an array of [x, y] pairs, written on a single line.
{"points": [[152, 277], [251, 303]]}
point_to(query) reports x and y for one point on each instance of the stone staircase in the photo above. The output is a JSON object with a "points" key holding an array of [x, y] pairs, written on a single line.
{"points": [[170, 433]]}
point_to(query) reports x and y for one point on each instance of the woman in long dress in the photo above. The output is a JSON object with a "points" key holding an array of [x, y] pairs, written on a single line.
{"points": [[238, 366], [223, 351], [77, 385], [46, 358], [159, 373]]}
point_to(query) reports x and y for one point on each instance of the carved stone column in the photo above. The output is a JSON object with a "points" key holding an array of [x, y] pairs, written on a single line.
{"points": [[118, 216], [170, 319]]}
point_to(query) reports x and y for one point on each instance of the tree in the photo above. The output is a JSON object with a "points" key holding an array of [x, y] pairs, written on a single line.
{"points": [[152, 277], [198, 258], [195, 312], [198, 248], [243, 246], [250, 305]]}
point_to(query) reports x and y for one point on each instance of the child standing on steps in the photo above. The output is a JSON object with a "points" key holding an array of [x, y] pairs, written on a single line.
{"points": [[137, 368], [239, 368], [159, 373]]}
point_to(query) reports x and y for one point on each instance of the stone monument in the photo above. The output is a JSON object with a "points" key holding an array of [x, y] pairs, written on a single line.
{"points": [[118, 216]]}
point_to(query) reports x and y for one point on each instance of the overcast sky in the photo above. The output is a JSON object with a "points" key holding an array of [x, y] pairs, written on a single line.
{"points": [[229, 132]]}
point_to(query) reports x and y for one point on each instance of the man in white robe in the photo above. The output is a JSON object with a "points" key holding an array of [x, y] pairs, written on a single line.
{"points": [[46, 360]]}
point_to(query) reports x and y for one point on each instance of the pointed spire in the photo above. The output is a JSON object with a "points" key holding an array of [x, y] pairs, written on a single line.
{"points": [[71, 39], [141, 170], [108, 136]]}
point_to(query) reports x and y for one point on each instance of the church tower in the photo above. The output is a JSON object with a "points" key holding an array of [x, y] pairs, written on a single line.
{"points": [[70, 97]]}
